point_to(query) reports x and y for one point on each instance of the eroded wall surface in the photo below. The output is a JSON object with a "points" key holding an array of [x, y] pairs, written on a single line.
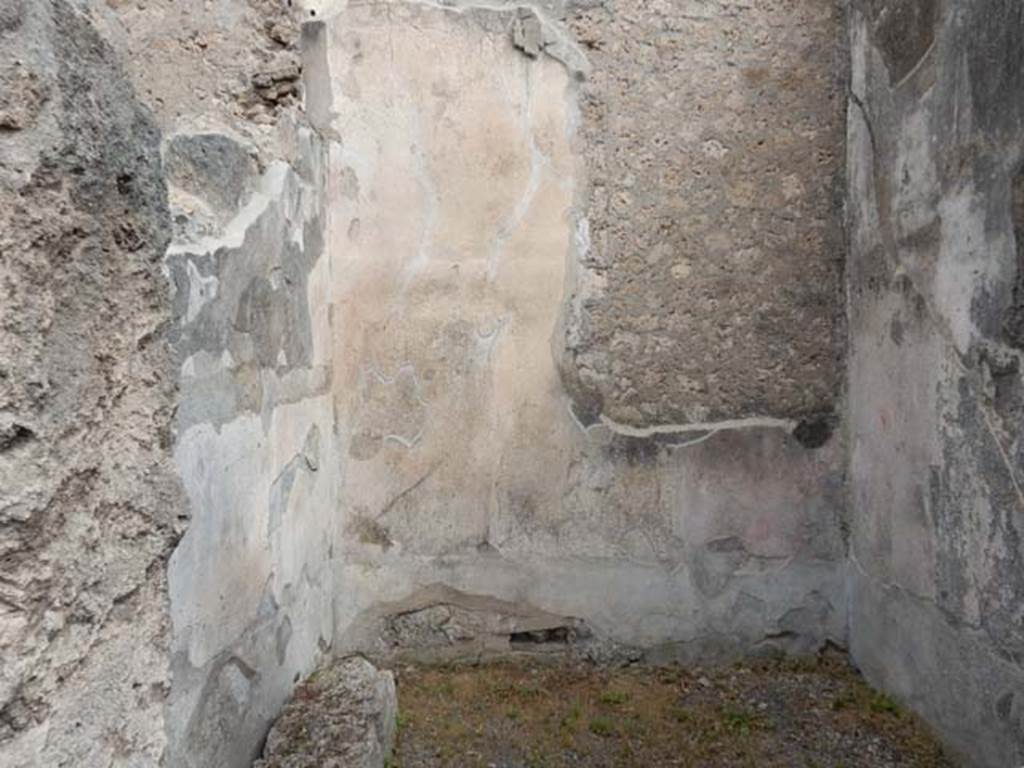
{"points": [[936, 132], [459, 186], [250, 581], [710, 250], [164, 369], [89, 502]]}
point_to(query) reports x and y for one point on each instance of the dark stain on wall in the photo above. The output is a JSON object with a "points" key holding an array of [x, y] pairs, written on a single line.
{"points": [[1013, 315], [904, 31]]}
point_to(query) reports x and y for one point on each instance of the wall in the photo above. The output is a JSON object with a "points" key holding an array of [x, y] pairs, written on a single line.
{"points": [[450, 329], [89, 504], [250, 581], [400, 333], [936, 127], [163, 369], [463, 182], [708, 284]]}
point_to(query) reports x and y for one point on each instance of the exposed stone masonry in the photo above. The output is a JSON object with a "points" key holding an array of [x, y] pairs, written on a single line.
{"points": [[711, 248]]}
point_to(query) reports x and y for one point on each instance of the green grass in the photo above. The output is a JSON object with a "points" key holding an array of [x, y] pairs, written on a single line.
{"points": [[555, 716], [883, 704], [738, 720], [602, 726]]}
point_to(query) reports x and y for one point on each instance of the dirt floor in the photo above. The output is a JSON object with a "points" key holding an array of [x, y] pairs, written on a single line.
{"points": [[805, 714]]}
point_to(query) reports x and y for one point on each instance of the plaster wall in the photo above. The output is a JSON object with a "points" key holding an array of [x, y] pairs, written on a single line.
{"points": [[250, 583], [457, 200], [935, 150]]}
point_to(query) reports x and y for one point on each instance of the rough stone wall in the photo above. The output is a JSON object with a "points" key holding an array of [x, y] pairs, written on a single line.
{"points": [[710, 250], [89, 504], [230, 66], [936, 151]]}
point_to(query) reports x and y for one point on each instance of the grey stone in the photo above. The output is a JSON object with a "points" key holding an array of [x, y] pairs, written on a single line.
{"points": [[343, 716], [12, 14], [527, 34], [212, 167], [22, 95]]}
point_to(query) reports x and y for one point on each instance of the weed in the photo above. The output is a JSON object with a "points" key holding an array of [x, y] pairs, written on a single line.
{"points": [[842, 701], [682, 715], [602, 726], [444, 689], [738, 720], [530, 691], [882, 704], [614, 697], [634, 727], [572, 719]]}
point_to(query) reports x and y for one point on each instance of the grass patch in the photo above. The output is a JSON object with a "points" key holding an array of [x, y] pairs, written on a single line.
{"points": [[614, 698], [682, 715], [602, 726], [571, 719], [882, 704], [530, 691], [543, 714], [736, 719], [843, 701]]}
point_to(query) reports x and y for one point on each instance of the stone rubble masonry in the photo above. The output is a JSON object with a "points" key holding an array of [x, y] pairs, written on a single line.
{"points": [[710, 246]]}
